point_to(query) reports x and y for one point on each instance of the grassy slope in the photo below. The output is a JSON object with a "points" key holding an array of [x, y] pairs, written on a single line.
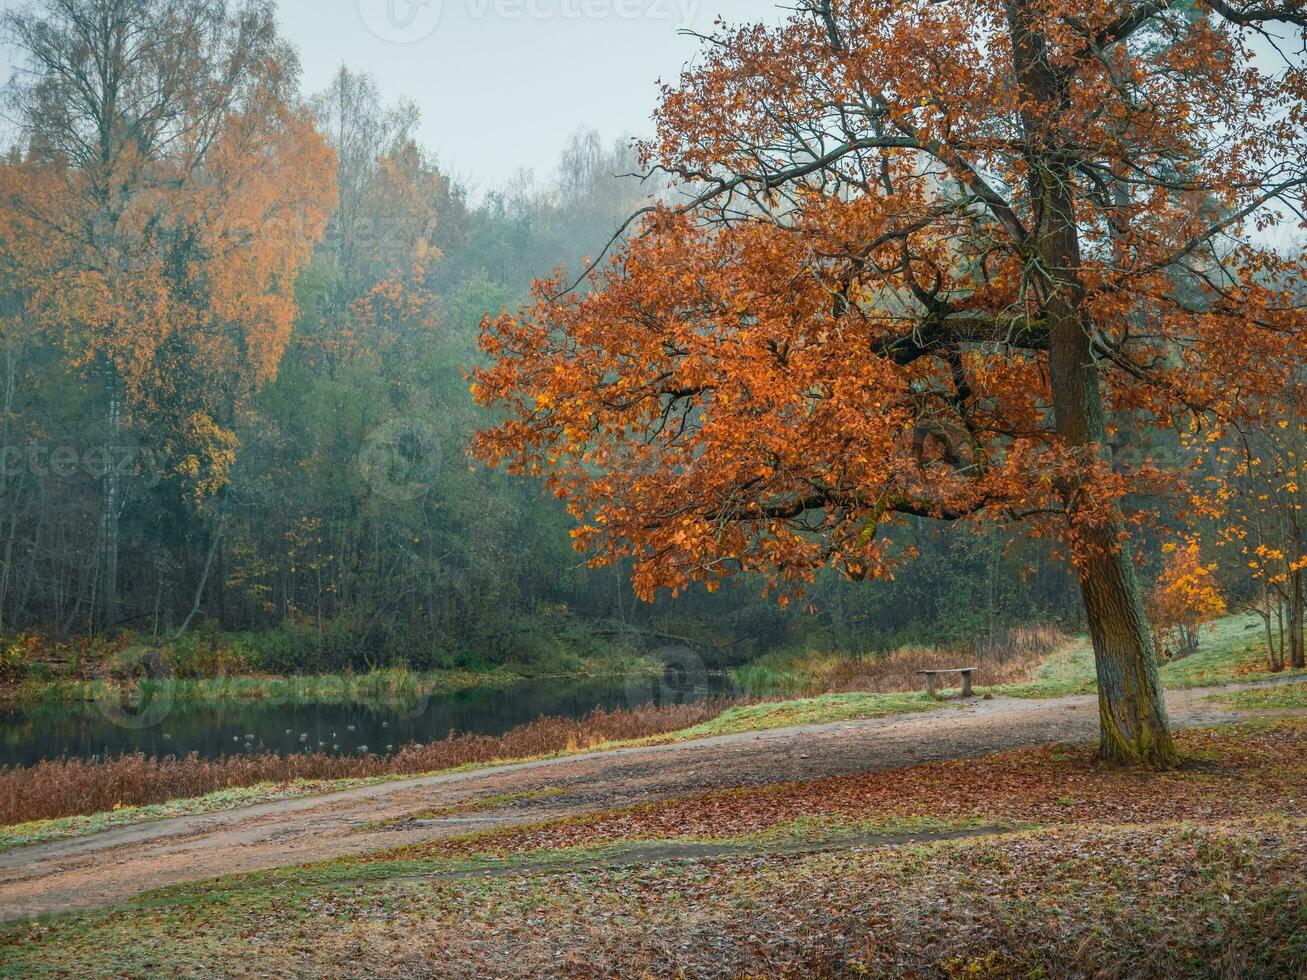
{"points": [[1193, 872], [235, 798], [1231, 652], [807, 711]]}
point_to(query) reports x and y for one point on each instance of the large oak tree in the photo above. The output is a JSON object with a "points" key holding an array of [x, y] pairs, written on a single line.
{"points": [[931, 258]]}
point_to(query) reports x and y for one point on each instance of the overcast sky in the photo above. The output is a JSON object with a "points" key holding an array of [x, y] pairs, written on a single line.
{"points": [[502, 83]]}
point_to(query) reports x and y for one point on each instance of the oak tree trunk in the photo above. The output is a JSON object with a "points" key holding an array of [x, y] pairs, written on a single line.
{"points": [[1131, 708], [1132, 711]]}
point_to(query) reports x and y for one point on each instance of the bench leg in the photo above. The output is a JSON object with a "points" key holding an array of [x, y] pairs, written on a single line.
{"points": [[966, 684], [930, 685]]}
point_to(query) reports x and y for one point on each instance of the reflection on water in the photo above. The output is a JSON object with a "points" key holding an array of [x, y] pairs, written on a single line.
{"points": [[49, 731]]}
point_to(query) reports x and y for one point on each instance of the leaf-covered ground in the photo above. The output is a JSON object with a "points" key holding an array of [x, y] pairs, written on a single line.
{"points": [[1233, 772], [1200, 872], [1150, 901]]}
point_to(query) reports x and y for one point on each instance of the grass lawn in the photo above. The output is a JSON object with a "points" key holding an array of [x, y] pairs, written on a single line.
{"points": [[1031, 863], [1231, 652], [807, 711], [1285, 697]]}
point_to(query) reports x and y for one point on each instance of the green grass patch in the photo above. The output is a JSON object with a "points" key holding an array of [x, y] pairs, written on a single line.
{"points": [[786, 673], [1282, 697], [1231, 652], [808, 711], [1068, 671]]}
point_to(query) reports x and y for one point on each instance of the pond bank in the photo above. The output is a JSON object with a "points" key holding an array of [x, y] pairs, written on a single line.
{"points": [[162, 719]]}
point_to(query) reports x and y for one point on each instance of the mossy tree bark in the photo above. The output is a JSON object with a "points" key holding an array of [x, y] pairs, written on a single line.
{"points": [[1132, 710]]}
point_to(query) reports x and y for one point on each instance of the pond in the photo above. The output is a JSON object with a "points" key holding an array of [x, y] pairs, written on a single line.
{"points": [[30, 733]]}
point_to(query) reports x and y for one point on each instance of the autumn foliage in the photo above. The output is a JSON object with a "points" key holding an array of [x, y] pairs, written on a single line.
{"points": [[728, 387], [934, 256], [157, 221], [1261, 493], [1185, 597]]}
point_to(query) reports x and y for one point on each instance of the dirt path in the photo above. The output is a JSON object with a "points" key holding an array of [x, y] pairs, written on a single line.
{"points": [[111, 867]]}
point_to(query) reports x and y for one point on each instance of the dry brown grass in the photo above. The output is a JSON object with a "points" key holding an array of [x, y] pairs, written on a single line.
{"points": [[69, 787], [1006, 657]]}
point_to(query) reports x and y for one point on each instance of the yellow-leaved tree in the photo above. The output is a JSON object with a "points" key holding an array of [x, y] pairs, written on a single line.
{"points": [[176, 188], [1186, 596]]}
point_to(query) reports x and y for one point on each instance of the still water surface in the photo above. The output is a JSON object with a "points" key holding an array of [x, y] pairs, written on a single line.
{"points": [[29, 734]]}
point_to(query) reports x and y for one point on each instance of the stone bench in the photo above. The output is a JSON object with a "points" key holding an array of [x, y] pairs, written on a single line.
{"points": [[966, 673]]}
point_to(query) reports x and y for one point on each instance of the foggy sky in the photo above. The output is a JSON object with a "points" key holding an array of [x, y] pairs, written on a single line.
{"points": [[502, 83]]}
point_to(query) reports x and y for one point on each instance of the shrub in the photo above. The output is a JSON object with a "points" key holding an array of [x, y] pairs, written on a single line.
{"points": [[13, 668], [1186, 597], [18, 657], [207, 653]]}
